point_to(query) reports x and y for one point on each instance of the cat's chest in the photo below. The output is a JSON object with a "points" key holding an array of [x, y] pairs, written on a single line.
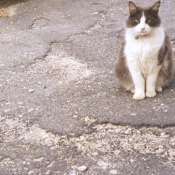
{"points": [[142, 49], [143, 53]]}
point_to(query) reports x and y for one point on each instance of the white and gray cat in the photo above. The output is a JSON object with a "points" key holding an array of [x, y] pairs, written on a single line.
{"points": [[145, 64]]}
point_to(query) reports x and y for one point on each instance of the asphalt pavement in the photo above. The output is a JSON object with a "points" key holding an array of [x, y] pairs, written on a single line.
{"points": [[61, 109]]}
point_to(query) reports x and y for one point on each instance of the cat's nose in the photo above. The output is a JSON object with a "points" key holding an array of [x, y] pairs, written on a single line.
{"points": [[142, 29]]}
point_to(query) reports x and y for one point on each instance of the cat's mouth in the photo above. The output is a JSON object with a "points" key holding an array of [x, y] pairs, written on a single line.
{"points": [[143, 33]]}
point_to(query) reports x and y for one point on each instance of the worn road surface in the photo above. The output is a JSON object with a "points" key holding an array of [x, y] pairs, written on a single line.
{"points": [[61, 110]]}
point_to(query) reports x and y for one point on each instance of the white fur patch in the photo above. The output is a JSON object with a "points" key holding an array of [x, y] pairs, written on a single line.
{"points": [[144, 49], [141, 53]]}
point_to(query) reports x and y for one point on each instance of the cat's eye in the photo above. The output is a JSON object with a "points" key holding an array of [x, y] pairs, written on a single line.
{"points": [[148, 20], [137, 20]]}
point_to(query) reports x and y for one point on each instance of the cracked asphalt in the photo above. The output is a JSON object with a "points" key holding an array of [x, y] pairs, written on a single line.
{"points": [[61, 110]]}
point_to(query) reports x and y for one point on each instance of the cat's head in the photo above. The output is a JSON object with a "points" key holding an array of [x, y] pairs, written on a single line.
{"points": [[143, 20]]}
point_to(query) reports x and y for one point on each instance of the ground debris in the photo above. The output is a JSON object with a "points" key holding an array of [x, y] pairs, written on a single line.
{"points": [[8, 11], [103, 146], [82, 168]]}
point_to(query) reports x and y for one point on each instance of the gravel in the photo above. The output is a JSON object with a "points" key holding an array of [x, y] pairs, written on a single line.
{"points": [[102, 147]]}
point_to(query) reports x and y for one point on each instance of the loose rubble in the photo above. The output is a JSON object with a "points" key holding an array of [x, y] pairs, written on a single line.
{"points": [[82, 168], [103, 146]]}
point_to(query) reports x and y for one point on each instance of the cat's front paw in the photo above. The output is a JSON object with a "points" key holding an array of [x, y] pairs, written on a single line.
{"points": [[150, 94], [139, 96], [132, 90], [159, 89]]}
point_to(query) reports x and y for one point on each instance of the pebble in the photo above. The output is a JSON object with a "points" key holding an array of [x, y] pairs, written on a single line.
{"points": [[48, 172], [82, 138], [113, 172], [7, 110], [51, 164], [160, 151], [102, 164], [117, 152], [31, 90], [133, 114], [95, 153], [75, 116], [82, 168], [39, 159], [30, 110]]}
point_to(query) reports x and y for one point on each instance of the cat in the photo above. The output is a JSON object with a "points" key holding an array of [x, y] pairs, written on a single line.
{"points": [[145, 64]]}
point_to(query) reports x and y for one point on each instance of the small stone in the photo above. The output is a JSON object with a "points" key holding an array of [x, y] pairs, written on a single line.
{"points": [[95, 153], [51, 164], [30, 110], [160, 151], [132, 161], [48, 172], [7, 110], [117, 152], [75, 116], [113, 172], [128, 131], [133, 114], [82, 168], [102, 164], [21, 115], [82, 138], [31, 90], [39, 159]]}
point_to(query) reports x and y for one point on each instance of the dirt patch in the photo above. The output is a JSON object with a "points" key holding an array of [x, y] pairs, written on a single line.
{"points": [[5, 3], [8, 11], [8, 8]]}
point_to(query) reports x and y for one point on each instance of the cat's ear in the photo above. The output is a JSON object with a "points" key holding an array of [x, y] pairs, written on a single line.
{"points": [[155, 7], [132, 8]]}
